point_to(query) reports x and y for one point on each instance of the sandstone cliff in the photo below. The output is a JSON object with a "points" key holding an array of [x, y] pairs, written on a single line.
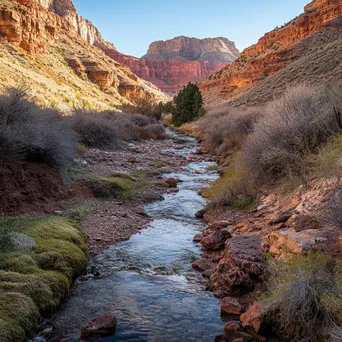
{"points": [[276, 52], [54, 52], [67, 10], [212, 50], [173, 63]]}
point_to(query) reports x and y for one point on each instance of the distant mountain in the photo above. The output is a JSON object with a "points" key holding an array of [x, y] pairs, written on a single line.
{"points": [[171, 64], [307, 49]]}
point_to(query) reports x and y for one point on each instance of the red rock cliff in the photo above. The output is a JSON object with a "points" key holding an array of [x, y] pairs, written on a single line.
{"points": [[173, 63], [273, 52]]}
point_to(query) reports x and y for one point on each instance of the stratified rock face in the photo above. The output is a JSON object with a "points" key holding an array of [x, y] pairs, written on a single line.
{"points": [[67, 10], [212, 50], [273, 52], [173, 63]]}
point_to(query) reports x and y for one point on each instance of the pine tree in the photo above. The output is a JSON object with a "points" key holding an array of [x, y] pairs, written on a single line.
{"points": [[189, 104]]}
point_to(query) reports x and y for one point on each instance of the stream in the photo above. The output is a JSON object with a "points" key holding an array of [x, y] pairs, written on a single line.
{"points": [[148, 282]]}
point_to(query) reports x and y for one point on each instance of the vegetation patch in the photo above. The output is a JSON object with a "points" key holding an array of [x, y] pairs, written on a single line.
{"points": [[294, 127], [160, 163], [233, 189], [188, 105], [304, 298], [119, 187], [38, 260]]}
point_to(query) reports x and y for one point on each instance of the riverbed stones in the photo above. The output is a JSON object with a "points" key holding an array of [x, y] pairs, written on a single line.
{"points": [[216, 240], [231, 307], [203, 265], [251, 320], [98, 327], [172, 182], [200, 213]]}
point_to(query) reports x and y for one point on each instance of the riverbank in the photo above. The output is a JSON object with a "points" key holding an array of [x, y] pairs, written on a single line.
{"points": [[238, 245], [106, 220]]}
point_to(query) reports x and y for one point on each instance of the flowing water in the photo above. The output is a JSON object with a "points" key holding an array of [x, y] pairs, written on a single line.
{"points": [[149, 284]]}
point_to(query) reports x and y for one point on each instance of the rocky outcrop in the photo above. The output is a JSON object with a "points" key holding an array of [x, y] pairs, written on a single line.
{"points": [[241, 263], [273, 52], [212, 50], [216, 240], [172, 64], [67, 10]]}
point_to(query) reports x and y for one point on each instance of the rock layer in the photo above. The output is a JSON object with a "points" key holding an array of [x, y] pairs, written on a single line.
{"points": [[173, 63], [67, 10]]}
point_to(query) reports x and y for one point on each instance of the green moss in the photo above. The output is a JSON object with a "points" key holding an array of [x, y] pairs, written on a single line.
{"points": [[118, 187], [38, 273], [160, 163], [17, 315]]}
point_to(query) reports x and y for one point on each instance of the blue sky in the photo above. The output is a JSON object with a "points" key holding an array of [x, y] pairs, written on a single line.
{"points": [[133, 24]]}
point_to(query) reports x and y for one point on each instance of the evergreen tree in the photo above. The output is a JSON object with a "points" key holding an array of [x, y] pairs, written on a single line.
{"points": [[188, 105]]}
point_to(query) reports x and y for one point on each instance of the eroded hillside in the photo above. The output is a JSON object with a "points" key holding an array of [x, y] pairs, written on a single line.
{"points": [[57, 58], [301, 50]]}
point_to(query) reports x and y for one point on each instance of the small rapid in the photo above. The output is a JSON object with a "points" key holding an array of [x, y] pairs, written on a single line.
{"points": [[147, 282]]}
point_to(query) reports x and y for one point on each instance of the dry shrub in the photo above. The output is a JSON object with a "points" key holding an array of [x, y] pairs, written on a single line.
{"points": [[303, 300], [30, 133], [297, 124], [109, 129], [333, 212], [227, 128]]}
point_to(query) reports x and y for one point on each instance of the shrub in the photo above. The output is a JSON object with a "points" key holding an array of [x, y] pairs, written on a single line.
{"points": [[109, 129], [95, 130], [224, 129], [30, 133], [303, 297], [333, 212], [188, 105], [297, 124]]}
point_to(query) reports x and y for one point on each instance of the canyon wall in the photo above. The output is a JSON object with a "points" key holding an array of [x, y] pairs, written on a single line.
{"points": [[273, 52]]}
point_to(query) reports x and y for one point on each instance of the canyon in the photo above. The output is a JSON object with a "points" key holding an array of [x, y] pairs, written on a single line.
{"points": [[298, 51], [174, 63]]}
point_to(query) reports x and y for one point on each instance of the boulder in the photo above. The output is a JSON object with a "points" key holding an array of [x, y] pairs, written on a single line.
{"points": [[232, 333], [241, 263], [172, 182], [231, 307], [98, 327], [200, 213], [286, 243], [203, 265], [198, 238], [251, 319], [216, 240]]}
